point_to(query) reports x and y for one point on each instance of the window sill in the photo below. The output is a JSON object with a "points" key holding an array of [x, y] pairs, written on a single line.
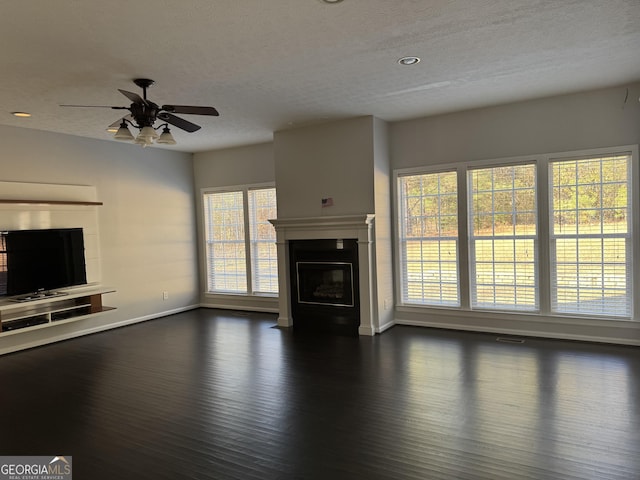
{"points": [[524, 316], [241, 302], [240, 295]]}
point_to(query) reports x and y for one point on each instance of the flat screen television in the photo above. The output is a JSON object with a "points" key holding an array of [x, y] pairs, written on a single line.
{"points": [[43, 260]]}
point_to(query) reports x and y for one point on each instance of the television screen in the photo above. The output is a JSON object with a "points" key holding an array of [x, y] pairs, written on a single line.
{"points": [[43, 260]]}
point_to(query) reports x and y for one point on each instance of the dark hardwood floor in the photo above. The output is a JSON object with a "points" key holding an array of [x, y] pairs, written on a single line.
{"points": [[210, 394]]}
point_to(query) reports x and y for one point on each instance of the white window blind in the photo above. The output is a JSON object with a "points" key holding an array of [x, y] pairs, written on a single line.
{"points": [[225, 239], [590, 235], [264, 260], [240, 242], [429, 239], [503, 237]]}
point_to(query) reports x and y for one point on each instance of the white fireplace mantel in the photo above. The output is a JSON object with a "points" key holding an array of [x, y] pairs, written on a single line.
{"points": [[359, 227]]}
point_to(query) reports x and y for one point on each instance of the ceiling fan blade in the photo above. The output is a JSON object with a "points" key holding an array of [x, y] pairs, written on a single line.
{"points": [[178, 122], [97, 106], [134, 97], [191, 110], [117, 123]]}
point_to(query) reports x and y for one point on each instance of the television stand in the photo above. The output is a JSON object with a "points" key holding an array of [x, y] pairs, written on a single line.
{"points": [[37, 296], [61, 307]]}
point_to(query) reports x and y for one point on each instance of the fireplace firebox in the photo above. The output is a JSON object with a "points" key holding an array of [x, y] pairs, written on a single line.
{"points": [[324, 285]]}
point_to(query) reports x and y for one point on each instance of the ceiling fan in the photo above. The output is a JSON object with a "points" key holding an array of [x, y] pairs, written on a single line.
{"points": [[143, 114]]}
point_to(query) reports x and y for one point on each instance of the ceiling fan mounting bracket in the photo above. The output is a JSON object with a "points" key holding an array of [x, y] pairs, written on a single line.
{"points": [[143, 83]]}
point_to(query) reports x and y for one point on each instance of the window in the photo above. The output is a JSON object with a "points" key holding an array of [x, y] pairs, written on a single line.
{"points": [[503, 240], [429, 238], [264, 260], [240, 242], [547, 235], [591, 235]]}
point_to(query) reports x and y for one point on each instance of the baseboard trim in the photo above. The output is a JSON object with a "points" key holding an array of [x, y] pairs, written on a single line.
{"points": [[385, 327], [520, 332]]}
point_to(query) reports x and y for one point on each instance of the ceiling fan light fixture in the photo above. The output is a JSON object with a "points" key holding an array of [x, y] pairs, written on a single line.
{"points": [[148, 132], [165, 137], [143, 141], [123, 133]]}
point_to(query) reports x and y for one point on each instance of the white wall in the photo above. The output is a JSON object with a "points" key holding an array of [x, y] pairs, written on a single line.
{"points": [[146, 226], [252, 164], [320, 161], [581, 121]]}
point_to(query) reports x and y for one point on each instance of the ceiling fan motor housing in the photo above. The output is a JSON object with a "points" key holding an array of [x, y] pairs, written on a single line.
{"points": [[144, 113]]}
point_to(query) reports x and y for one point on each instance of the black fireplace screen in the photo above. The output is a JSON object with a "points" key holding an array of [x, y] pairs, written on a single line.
{"points": [[325, 283]]}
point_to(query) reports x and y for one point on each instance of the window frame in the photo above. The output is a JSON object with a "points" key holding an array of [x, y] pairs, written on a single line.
{"points": [[255, 242], [401, 239], [244, 189], [473, 240], [627, 236], [544, 314]]}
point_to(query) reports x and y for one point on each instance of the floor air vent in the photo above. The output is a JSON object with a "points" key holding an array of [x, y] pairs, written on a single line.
{"points": [[509, 340]]}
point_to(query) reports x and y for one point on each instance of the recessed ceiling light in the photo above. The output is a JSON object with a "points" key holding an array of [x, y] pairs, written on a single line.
{"points": [[21, 114], [331, 1], [409, 60]]}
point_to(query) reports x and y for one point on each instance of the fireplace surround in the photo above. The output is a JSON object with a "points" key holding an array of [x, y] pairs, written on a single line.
{"points": [[324, 285], [356, 229]]}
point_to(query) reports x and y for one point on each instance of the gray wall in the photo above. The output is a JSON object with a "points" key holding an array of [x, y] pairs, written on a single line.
{"points": [[147, 228], [383, 232], [234, 166], [248, 165], [594, 119], [330, 160]]}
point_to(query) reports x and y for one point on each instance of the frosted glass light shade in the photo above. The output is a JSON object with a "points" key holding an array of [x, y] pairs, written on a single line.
{"points": [[148, 132], [123, 133], [166, 138]]}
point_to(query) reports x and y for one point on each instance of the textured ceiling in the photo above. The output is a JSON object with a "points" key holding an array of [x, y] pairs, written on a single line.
{"points": [[269, 64]]}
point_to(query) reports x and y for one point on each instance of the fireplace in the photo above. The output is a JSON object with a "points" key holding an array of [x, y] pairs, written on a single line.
{"points": [[324, 285], [336, 292]]}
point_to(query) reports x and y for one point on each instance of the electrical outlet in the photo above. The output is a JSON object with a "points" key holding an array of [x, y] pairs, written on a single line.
{"points": [[165, 295]]}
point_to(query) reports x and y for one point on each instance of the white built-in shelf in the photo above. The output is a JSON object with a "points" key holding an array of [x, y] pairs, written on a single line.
{"points": [[72, 305], [47, 202]]}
